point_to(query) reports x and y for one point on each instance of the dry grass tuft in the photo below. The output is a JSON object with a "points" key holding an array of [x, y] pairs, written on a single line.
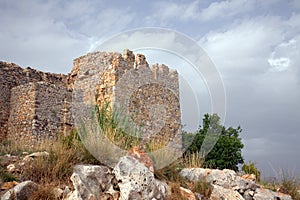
{"points": [[175, 192], [192, 160], [56, 168], [45, 192]]}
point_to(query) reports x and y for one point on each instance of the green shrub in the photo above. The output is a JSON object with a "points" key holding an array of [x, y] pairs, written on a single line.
{"points": [[224, 145]]}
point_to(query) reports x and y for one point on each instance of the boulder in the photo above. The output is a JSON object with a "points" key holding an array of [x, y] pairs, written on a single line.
{"points": [[264, 194], [194, 174], [21, 191], [137, 182], [91, 182], [219, 192], [225, 178]]}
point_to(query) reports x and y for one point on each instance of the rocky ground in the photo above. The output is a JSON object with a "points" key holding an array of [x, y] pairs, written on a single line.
{"points": [[131, 179]]}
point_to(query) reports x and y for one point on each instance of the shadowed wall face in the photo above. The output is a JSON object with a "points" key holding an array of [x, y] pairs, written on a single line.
{"points": [[24, 96]]}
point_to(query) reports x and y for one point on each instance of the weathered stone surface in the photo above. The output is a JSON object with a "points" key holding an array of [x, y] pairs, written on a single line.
{"points": [[264, 194], [142, 158], [225, 178], [245, 184], [150, 97], [91, 182], [194, 174], [228, 185], [21, 192], [137, 182], [219, 192], [58, 193]]}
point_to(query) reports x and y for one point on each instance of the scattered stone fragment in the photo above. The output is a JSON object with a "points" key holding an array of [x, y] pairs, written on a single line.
{"points": [[187, 193], [9, 185], [264, 194], [11, 168], [22, 191], [39, 154], [58, 193], [250, 177]]}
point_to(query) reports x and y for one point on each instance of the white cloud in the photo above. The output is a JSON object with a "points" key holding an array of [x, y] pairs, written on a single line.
{"points": [[193, 10], [48, 35], [279, 64], [225, 9], [183, 11], [244, 47]]}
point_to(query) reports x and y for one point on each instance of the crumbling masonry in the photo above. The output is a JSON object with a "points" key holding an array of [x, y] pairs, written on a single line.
{"points": [[36, 105]]}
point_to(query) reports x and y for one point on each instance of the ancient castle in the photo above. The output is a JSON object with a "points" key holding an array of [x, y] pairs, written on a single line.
{"points": [[36, 105]]}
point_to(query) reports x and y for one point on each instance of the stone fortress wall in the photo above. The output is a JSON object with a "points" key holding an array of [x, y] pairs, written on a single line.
{"points": [[25, 99], [35, 104]]}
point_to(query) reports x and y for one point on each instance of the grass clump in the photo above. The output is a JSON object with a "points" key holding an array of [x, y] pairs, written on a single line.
{"points": [[291, 184], [285, 182], [45, 192], [6, 177], [250, 168], [192, 160], [56, 168], [175, 192]]}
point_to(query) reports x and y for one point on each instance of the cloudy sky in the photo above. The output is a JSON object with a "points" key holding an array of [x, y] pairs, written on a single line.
{"points": [[254, 44]]}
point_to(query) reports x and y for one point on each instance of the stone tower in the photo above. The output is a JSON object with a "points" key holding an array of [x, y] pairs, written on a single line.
{"points": [[150, 96]]}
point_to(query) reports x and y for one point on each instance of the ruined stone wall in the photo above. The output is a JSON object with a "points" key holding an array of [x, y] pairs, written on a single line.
{"points": [[13, 76], [22, 103], [37, 112], [36, 105], [50, 110]]}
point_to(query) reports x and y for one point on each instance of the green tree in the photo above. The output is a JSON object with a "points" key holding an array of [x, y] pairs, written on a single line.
{"points": [[221, 147]]}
